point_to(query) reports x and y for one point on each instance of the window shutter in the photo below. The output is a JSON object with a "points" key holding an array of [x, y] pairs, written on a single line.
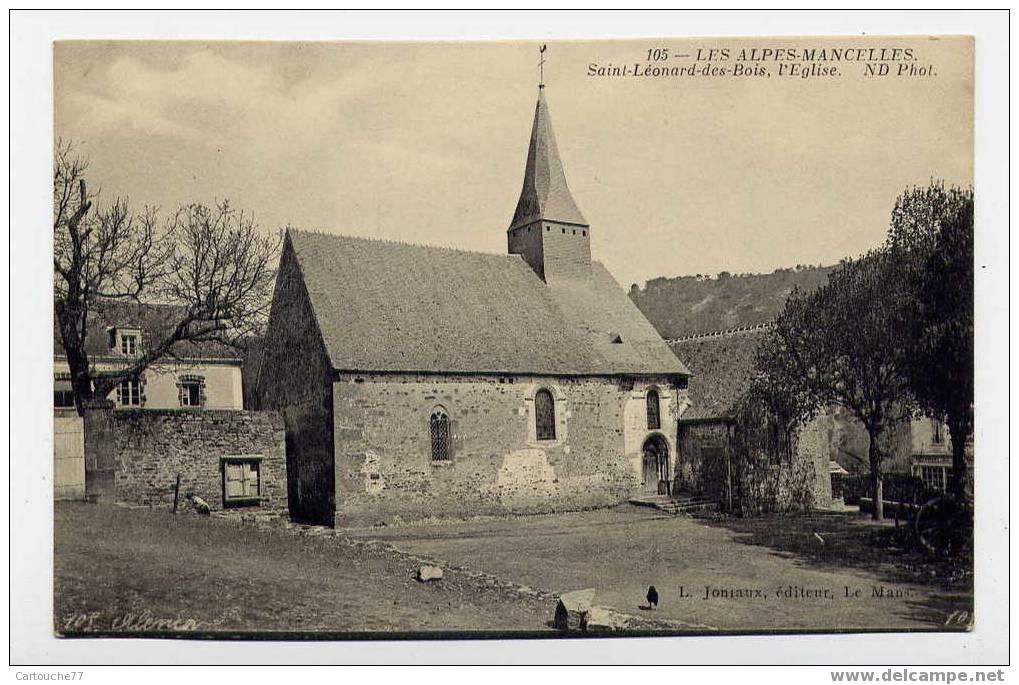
{"points": [[234, 480], [141, 391], [201, 392]]}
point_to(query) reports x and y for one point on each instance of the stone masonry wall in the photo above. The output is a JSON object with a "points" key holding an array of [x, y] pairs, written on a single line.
{"points": [[761, 484], [296, 379], [153, 446], [703, 467], [384, 467]]}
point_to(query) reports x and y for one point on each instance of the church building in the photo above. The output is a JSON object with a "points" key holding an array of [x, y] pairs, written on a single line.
{"points": [[421, 381]]}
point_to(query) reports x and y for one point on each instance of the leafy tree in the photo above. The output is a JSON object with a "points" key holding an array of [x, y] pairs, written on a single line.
{"points": [[213, 264], [839, 345], [931, 239]]}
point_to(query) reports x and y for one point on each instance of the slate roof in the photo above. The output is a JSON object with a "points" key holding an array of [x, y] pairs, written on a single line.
{"points": [[545, 194], [723, 365], [386, 306], [153, 320]]}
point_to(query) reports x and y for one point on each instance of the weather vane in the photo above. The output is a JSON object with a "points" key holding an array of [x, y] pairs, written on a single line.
{"points": [[541, 66]]}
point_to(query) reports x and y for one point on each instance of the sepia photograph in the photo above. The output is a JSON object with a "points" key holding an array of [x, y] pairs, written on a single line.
{"points": [[517, 339]]}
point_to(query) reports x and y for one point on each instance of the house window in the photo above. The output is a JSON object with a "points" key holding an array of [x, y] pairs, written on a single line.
{"points": [[129, 393], [654, 414], [937, 432], [934, 477], [63, 393], [241, 482], [544, 415], [129, 344], [439, 427], [191, 391]]}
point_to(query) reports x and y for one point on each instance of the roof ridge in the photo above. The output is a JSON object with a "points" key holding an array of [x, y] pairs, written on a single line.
{"points": [[402, 243], [719, 333]]}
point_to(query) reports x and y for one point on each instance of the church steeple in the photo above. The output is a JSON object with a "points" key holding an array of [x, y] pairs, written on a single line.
{"points": [[547, 229], [545, 195]]}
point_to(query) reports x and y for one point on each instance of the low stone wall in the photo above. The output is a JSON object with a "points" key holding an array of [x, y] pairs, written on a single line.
{"points": [[765, 483], [152, 447]]}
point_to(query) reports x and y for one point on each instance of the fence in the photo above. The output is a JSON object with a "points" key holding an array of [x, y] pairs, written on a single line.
{"points": [[897, 487]]}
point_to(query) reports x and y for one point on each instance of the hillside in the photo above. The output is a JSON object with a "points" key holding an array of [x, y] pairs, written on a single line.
{"points": [[689, 305]]}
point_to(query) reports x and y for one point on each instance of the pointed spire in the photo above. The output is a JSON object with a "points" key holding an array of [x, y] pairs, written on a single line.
{"points": [[545, 195]]}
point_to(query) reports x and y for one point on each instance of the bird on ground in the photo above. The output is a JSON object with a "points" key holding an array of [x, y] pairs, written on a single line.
{"points": [[652, 597]]}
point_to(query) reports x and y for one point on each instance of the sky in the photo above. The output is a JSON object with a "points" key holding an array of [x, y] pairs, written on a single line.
{"points": [[426, 142]]}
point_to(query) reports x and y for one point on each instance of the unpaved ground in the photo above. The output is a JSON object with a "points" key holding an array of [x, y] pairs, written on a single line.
{"points": [[732, 585], [128, 571], [143, 571]]}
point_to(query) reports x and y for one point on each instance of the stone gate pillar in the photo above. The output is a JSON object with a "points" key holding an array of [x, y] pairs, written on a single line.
{"points": [[100, 454]]}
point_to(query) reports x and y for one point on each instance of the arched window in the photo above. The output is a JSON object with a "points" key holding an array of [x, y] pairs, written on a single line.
{"points": [[654, 414], [544, 415], [439, 425]]}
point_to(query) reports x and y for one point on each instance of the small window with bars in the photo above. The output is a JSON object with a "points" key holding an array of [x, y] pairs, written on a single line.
{"points": [[241, 481], [439, 427], [654, 412], [544, 415]]}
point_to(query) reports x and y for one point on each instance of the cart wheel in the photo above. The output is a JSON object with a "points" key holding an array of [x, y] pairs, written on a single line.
{"points": [[944, 526]]}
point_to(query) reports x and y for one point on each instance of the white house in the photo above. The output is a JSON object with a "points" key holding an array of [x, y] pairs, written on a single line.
{"points": [[195, 376]]}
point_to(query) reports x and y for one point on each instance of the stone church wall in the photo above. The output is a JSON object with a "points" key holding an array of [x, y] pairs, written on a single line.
{"points": [[384, 467], [295, 378]]}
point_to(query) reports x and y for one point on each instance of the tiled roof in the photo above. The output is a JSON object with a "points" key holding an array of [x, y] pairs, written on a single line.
{"points": [[723, 365], [155, 322], [386, 306]]}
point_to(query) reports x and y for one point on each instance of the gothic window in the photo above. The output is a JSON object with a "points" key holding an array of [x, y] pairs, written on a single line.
{"points": [[439, 425], [654, 414], [937, 434], [544, 415]]}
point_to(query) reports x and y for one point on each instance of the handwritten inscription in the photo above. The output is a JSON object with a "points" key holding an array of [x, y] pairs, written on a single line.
{"points": [[143, 621]]}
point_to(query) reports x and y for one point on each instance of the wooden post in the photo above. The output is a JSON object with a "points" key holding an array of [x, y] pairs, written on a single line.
{"points": [[728, 465], [176, 494]]}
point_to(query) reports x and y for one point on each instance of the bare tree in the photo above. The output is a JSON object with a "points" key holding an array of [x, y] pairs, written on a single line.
{"points": [[212, 264]]}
